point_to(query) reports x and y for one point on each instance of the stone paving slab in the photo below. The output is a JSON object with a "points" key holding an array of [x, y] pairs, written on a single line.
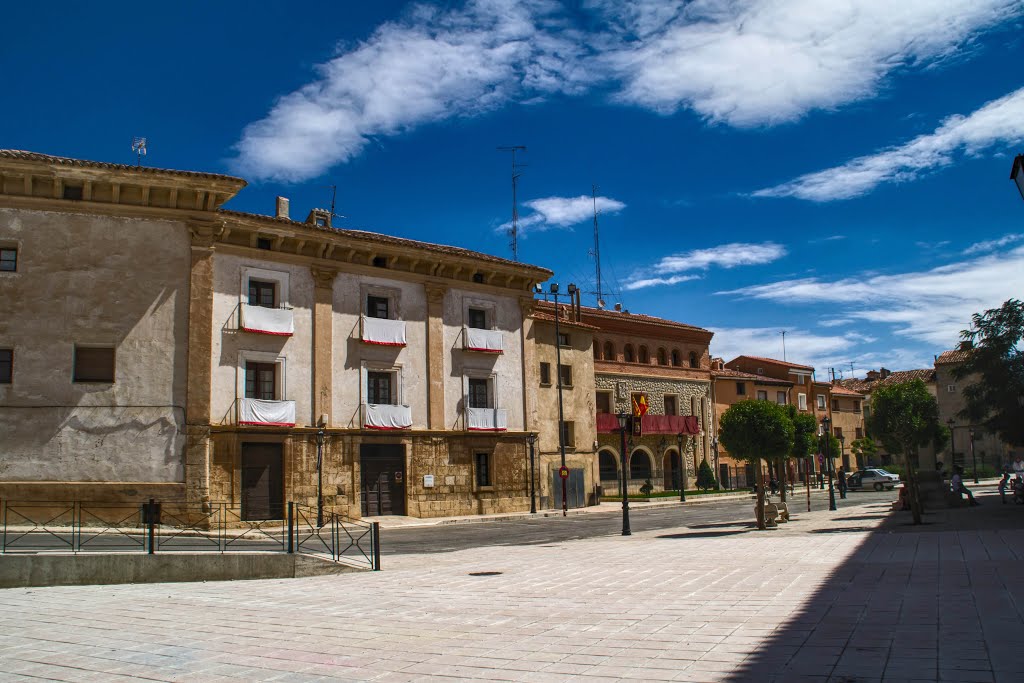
{"points": [[843, 596]]}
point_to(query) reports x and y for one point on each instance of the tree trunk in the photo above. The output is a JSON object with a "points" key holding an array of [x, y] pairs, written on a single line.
{"points": [[759, 507], [913, 492], [783, 477]]}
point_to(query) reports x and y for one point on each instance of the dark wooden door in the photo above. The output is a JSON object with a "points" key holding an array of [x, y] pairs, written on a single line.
{"points": [[723, 476], [262, 481], [383, 479], [574, 491]]}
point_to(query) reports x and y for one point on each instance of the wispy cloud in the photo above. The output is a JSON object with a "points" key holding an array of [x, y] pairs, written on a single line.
{"points": [[834, 322], [743, 63], [930, 306], [820, 351], [991, 245], [830, 238], [562, 212], [723, 256], [998, 122]]}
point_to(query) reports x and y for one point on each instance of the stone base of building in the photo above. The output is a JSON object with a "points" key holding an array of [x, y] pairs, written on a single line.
{"points": [[120, 492]]}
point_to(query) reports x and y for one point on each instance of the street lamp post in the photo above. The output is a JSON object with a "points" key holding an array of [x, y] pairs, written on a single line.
{"points": [[682, 469], [842, 457], [714, 450], [974, 459], [623, 419], [319, 477], [531, 439], [826, 422], [952, 443], [553, 288]]}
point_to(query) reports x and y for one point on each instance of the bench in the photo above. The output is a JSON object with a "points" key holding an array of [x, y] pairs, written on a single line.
{"points": [[771, 515], [783, 511]]}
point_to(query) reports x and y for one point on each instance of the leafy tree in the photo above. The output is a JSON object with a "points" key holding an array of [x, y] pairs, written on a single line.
{"points": [[864, 449], [754, 431], [996, 361], [706, 477], [805, 439], [905, 417]]}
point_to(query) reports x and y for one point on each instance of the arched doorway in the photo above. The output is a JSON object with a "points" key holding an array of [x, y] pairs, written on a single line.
{"points": [[639, 465], [673, 473], [608, 465]]}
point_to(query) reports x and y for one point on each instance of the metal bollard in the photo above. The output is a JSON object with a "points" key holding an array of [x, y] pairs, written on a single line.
{"points": [[376, 546], [291, 527]]}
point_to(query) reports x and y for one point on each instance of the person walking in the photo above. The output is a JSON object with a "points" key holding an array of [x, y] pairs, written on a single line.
{"points": [[841, 484]]}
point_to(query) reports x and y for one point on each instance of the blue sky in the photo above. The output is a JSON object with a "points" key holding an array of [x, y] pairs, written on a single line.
{"points": [[838, 170]]}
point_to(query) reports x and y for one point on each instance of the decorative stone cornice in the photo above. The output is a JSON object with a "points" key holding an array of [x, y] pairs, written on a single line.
{"points": [[323, 278], [435, 292]]}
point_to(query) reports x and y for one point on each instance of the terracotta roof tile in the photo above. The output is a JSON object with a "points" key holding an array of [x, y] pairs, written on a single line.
{"points": [[550, 318], [864, 386], [774, 360], [954, 356], [22, 155], [750, 377], [839, 390], [603, 313]]}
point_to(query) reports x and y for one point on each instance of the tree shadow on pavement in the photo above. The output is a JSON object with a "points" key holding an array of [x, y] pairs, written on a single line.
{"points": [[940, 602], [705, 534]]}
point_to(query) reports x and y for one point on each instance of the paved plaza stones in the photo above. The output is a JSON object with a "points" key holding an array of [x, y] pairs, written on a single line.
{"points": [[847, 597]]}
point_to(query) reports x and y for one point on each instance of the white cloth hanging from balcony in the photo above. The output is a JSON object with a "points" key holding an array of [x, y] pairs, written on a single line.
{"points": [[383, 331], [476, 339], [486, 419], [254, 411], [384, 416], [265, 320]]}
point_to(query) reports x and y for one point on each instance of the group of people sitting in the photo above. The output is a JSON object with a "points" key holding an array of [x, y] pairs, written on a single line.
{"points": [[1015, 486]]}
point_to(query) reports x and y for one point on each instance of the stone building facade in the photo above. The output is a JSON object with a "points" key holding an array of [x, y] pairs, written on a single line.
{"points": [[668, 364], [200, 354]]}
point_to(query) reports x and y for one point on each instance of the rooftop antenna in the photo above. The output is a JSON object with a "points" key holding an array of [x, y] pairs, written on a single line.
{"points": [[783, 345], [597, 249], [334, 197], [139, 147], [514, 231]]}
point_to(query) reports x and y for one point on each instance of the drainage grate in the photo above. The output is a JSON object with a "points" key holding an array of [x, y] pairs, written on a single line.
{"points": [[485, 573]]}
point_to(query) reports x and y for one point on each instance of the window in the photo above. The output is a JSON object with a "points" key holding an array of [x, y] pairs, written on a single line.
{"points": [[741, 388], [569, 433], [483, 469], [760, 371], [545, 373], [950, 388], [609, 351], [260, 381], [380, 388], [856, 406], [627, 353], [377, 306], [262, 294], [479, 393], [478, 278], [643, 356], [859, 433], [801, 401], [565, 375], [675, 358], [6, 365], [8, 260], [671, 405], [835, 404], [780, 397], [264, 243], [476, 318], [609, 468], [380, 262], [72, 192], [762, 395], [94, 364], [821, 401], [838, 431], [694, 361], [662, 358], [603, 400], [563, 339]]}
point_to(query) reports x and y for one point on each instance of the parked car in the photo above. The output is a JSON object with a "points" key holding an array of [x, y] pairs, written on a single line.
{"points": [[876, 479]]}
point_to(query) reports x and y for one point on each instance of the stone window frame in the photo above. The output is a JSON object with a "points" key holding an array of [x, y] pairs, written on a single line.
{"points": [[493, 387], [801, 401], [611, 400], [741, 388], [488, 457], [395, 369], [675, 398], [565, 367], [569, 434], [545, 369], [281, 367], [8, 376], [392, 294], [15, 246], [74, 363], [489, 308], [280, 279]]}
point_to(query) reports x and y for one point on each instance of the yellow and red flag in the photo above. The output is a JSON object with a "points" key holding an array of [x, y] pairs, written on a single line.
{"points": [[640, 405]]}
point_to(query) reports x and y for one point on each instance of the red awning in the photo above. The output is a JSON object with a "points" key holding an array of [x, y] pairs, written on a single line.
{"points": [[607, 423]]}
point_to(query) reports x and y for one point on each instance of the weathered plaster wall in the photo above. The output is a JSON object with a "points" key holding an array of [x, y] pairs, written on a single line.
{"points": [[104, 281], [228, 377], [507, 367], [409, 303]]}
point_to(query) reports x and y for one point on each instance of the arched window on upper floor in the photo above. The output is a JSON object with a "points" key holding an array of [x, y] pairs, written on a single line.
{"points": [[627, 353], [643, 356], [662, 358], [676, 361], [609, 351], [694, 361]]}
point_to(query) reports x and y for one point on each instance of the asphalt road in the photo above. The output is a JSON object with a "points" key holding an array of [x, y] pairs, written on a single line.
{"points": [[715, 518]]}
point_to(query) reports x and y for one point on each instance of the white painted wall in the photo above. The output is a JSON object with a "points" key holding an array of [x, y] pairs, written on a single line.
{"points": [[230, 345], [94, 280]]}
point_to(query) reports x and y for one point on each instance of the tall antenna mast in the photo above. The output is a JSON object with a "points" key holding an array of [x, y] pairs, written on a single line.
{"points": [[334, 198], [783, 345], [597, 249], [514, 231], [139, 147]]}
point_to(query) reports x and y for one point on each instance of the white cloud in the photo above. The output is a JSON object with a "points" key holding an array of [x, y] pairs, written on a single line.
{"points": [[742, 62], [430, 66], [819, 351], [722, 256], [834, 322], [755, 62], [998, 122], [562, 212], [991, 245], [930, 306]]}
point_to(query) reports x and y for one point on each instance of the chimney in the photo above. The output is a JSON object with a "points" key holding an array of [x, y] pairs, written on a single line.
{"points": [[965, 345], [282, 207], [883, 373], [873, 375]]}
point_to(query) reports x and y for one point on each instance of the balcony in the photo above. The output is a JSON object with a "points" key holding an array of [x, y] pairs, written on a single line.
{"points": [[486, 419], [486, 341], [382, 331], [263, 320], [385, 416], [608, 423], [254, 411]]}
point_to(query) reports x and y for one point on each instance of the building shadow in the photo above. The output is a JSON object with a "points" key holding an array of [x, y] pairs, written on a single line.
{"points": [[926, 603]]}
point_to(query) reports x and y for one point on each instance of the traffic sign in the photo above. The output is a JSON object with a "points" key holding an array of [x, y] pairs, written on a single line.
{"points": [[821, 459], [563, 472]]}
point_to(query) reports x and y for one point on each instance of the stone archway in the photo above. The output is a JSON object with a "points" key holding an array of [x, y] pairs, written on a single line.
{"points": [[672, 470], [640, 465]]}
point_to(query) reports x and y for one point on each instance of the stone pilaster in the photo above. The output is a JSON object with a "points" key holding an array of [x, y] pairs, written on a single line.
{"points": [[323, 341], [200, 355], [529, 341], [435, 355]]}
